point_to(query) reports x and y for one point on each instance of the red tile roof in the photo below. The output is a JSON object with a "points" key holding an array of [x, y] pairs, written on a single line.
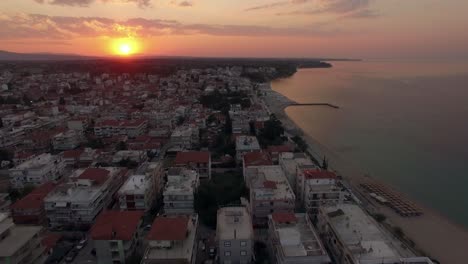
{"points": [[269, 184], [185, 157], [319, 174], [284, 217], [169, 228], [116, 225], [279, 149], [72, 154], [35, 199], [50, 240], [257, 158], [99, 176]]}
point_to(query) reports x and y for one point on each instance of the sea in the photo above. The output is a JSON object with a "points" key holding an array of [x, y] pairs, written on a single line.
{"points": [[402, 122]]}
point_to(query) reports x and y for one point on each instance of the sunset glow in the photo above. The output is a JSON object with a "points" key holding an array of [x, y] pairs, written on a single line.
{"points": [[125, 47]]}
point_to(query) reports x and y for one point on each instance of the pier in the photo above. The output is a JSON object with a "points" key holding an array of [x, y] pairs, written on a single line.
{"points": [[315, 104]]}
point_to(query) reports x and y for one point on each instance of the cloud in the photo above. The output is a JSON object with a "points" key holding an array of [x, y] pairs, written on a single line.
{"points": [[182, 3], [86, 3], [29, 26], [276, 4], [342, 8]]}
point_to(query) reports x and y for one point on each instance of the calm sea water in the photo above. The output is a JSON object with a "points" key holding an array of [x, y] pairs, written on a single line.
{"points": [[403, 122]]}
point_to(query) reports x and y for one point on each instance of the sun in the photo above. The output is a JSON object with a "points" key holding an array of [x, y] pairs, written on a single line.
{"points": [[125, 49], [125, 46]]}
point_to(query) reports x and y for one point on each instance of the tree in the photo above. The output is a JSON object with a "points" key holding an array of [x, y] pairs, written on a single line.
{"points": [[272, 132], [325, 163], [379, 217], [301, 144], [61, 100], [398, 232]]}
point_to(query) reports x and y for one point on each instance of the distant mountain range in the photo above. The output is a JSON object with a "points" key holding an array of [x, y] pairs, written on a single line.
{"points": [[13, 56]]}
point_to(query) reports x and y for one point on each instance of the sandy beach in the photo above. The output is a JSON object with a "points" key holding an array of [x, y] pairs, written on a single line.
{"points": [[434, 235]]}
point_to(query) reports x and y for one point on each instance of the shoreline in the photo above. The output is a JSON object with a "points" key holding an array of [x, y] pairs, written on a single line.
{"points": [[433, 234]]}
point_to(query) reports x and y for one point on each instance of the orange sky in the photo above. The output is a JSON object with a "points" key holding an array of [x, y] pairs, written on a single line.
{"points": [[241, 28]]}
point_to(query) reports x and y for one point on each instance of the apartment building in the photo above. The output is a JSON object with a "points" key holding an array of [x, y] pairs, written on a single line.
{"points": [[354, 237], [245, 144], [292, 239], [185, 137], [115, 235], [137, 193], [172, 239], [180, 190], [78, 202], [269, 193], [291, 163], [29, 210], [234, 235], [20, 244], [111, 127], [318, 187], [37, 171], [200, 161], [67, 140]]}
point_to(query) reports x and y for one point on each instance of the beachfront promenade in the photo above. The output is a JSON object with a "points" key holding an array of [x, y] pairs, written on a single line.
{"points": [[432, 234]]}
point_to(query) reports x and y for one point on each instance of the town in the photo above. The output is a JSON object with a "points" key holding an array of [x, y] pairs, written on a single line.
{"points": [[188, 165]]}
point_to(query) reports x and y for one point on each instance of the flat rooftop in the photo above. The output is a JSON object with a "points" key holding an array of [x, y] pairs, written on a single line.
{"points": [[37, 162], [360, 233], [269, 183], [246, 143], [18, 237], [299, 239], [234, 223], [135, 184]]}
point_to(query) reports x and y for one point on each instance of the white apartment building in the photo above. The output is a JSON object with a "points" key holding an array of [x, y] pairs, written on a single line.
{"points": [[38, 170], [67, 140], [132, 155], [185, 137], [10, 137], [318, 187], [172, 239], [292, 239], [20, 244], [246, 144], [291, 163], [130, 128], [270, 193], [234, 235], [82, 198], [137, 193], [180, 190], [354, 237]]}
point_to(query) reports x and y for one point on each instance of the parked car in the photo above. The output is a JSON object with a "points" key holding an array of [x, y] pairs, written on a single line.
{"points": [[212, 252], [81, 244], [71, 256]]}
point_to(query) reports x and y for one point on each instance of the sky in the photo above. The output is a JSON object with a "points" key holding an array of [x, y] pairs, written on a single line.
{"points": [[238, 28]]}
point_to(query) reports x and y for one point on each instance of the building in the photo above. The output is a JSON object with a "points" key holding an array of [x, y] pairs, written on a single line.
{"points": [[67, 140], [234, 235], [20, 244], [255, 158], [292, 239], [353, 237], [137, 193], [200, 161], [30, 209], [115, 235], [111, 127], [172, 240], [269, 193], [180, 190], [245, 144], [292, 163], [37, 171], [78, 202], [78, 124], [318, 187], [131, 155], [184, 137]]}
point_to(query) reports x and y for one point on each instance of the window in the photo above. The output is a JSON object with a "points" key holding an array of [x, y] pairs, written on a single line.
{"points": [[227, 253], [243, 243], [227, 244], [243, 253]]}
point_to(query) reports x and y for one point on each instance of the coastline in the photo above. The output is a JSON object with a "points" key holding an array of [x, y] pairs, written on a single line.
{"points": [[433, 234]]}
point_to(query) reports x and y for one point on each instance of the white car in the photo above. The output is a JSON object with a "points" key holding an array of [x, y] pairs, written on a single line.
{"points": [[81, 244]]}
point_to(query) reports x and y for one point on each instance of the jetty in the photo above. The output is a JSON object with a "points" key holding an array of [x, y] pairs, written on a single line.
{"points": [[315, 104]]}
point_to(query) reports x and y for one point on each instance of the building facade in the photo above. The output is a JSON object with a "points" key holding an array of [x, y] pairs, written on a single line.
{"points": [[200, 161], [180, 190]]}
